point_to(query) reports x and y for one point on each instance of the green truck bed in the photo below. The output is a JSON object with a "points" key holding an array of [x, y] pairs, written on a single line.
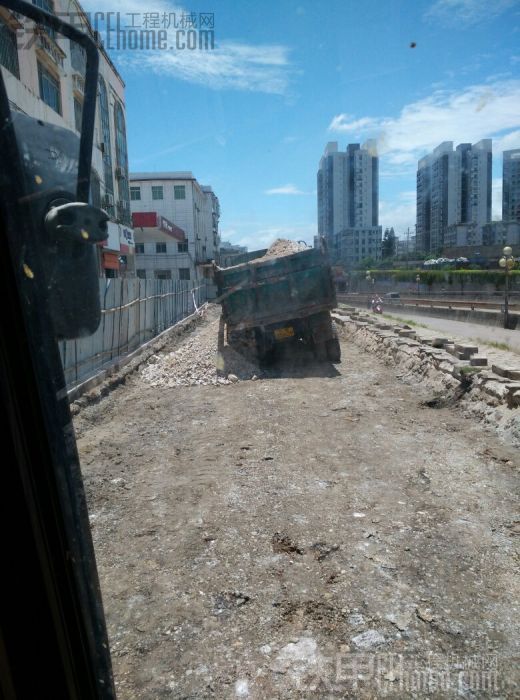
{"points": [[266, 291]]}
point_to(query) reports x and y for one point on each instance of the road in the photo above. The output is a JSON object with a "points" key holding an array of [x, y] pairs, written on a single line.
{"points": [[319, 532], [462, 329]]}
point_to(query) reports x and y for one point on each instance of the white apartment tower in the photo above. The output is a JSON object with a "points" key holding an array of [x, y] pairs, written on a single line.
{"points": [[348, 200], [453, 187], [348, 188]]}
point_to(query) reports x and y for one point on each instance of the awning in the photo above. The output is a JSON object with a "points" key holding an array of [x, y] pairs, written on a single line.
{"points": [[111, 261]]}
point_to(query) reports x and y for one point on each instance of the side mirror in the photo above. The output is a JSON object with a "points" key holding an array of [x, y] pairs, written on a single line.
{"points": [[49, 173]]}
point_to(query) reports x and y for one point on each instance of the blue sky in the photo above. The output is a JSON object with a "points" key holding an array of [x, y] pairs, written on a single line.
{"points": [[252, 117]]}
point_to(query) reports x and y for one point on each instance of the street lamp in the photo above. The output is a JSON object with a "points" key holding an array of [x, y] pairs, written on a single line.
{"points": [[507, 261], [418, 280]]}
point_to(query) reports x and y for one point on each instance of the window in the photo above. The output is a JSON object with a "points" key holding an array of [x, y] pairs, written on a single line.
{"points": [[157, 192], [78, 113], [141, 274], [95, 189], [182, 247], [184, 273], [49, 88], [48, 6], [78, 58], [135, 193], [160, 247], [8, 50], [179, 191], [163, 274], [122, 163], [139, 248], [105, 131]]}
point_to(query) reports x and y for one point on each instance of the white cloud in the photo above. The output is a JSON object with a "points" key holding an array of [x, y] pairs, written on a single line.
{"points": [[230, 65], [470, 114], [258, 238], [286, 189], [466, 12], [399, 213]]}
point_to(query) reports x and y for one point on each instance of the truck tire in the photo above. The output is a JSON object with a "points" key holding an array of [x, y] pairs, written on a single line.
{"points": [[333, 349], [332, 345], [320, 350]]}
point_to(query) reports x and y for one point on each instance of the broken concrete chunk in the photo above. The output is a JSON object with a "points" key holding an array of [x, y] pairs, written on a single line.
{"points": [[368, 639], [478, 361], [508, 372]]}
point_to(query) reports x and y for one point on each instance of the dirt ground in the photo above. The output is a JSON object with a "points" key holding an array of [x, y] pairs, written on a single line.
{"points": [[319, 532]]}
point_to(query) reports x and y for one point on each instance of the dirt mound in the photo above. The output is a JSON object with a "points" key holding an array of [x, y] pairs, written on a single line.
{"points": [[283, 246], [199, 359]]}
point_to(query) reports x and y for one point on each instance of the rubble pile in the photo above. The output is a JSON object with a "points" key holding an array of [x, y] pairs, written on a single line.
{"points": [[283, 246], [199, 361]]}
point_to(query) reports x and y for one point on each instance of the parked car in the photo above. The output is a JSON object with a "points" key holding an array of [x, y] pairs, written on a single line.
{"points": [[393, 298]]}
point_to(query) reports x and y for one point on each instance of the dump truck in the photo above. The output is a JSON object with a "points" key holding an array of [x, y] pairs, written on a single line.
{"points": [[274, 300]]}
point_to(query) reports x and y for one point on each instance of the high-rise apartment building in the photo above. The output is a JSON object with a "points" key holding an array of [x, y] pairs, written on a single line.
{"points": [[348, 199], [511, 186], [453, 187]]}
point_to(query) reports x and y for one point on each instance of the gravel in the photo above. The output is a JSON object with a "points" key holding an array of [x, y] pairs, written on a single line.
{"points": [[198, 360], [283, 246]]}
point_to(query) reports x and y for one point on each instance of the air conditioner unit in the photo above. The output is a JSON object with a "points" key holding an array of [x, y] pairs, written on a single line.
{"points": [[108, 200], [120, 174]]}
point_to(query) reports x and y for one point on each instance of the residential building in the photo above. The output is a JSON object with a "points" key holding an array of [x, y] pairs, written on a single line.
{"points": [[212, 222], [475, 182], [348, 198], [45, 79], [405, 246], [501, 233], [229, 252], [353, 245], [175, 226], [511, 186], [463, 235], [453, 187]]}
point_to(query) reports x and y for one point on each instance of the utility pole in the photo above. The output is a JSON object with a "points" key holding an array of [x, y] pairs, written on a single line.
{"points": [[407, 247]]}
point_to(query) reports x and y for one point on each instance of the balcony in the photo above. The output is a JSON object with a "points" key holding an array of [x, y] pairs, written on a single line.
{"points": [[48, 46]]}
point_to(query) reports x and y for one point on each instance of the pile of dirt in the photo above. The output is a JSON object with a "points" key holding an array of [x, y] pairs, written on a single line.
{"points": [[283, 246], [200, 359]]}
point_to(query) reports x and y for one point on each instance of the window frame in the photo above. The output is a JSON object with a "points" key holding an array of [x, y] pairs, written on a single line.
{"points": [[7, 33], [155, 191], [50, 77], [177, 189]]}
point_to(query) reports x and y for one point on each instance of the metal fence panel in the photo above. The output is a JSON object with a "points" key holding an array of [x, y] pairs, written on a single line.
{"points": [[133, 311]]}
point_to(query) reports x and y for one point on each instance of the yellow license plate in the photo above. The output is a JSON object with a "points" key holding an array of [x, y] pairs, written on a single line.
{"points": [[282, 333]]}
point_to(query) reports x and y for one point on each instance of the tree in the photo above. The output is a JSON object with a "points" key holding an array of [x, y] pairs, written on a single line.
{"points": [[388, 245]]}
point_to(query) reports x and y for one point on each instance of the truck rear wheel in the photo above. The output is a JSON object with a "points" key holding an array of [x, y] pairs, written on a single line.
{"points": [[320, 350], [332, 345], [333, 350]]}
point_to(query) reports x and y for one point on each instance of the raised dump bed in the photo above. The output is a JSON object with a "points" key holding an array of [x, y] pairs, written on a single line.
{"points": [[281, 297]]}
